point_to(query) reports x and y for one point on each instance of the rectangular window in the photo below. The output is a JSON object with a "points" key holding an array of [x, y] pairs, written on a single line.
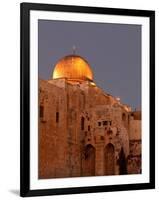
{"points": [[88, 128], [102, 137], [82, 123], [99, 123], [41, 111], [57, 117], [104, 122]]}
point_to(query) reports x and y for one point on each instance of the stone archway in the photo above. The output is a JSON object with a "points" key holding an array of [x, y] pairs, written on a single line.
{"points": [[109, 160], [89, 161]]}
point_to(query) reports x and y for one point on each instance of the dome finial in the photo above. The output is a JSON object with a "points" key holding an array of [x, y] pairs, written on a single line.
{"points": [[74, 49]]}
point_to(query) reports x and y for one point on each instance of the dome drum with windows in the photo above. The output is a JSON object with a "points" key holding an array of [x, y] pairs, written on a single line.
{"points": [[73, 67]]}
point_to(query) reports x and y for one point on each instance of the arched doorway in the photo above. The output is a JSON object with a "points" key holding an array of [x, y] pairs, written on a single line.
{"points": [[109, 160], [89, 161]]}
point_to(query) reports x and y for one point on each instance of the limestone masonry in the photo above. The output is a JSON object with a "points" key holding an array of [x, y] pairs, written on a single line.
{"points": [[83, 131]]}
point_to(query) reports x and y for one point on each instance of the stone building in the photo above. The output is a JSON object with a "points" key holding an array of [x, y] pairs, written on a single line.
{"points": [[84, 131]]}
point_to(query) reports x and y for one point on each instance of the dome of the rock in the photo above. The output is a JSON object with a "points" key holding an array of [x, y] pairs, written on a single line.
{"points": [[73, 67]]}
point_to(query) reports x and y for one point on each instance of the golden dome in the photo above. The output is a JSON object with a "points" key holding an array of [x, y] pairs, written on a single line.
{"points": [[73, 67]]}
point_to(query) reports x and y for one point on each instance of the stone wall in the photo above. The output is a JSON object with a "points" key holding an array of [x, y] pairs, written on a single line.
{"points": [[83, 131]]}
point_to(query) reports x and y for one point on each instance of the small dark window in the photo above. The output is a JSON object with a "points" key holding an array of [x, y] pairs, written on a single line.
{"points": [[41, 111], [88, 128], [102, 137], [99, 123], [82, 123], [104, 122], [110, 123], [109, 132], [123, 116], [57, 117]]}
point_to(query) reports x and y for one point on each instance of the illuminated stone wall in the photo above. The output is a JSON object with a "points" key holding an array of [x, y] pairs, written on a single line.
{"points": [[84, 131]]}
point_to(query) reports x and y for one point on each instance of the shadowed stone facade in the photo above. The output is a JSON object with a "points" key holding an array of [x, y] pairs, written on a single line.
{"points": [[83, 131]]}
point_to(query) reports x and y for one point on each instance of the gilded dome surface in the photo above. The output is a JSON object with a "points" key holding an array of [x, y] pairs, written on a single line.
{"points": [[73, 67]]}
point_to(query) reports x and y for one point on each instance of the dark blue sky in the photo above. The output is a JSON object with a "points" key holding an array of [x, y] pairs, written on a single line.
{"points": [[112, 50]]}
